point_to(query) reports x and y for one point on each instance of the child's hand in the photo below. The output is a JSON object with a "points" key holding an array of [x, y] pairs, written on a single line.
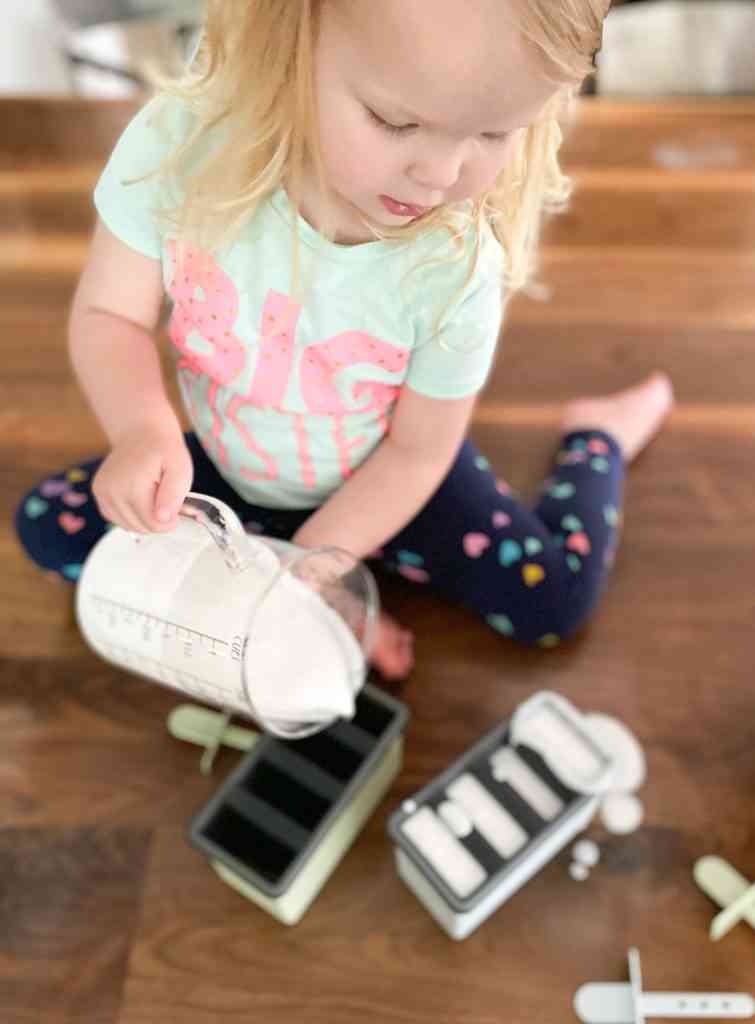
{"points": [[142, 483]]}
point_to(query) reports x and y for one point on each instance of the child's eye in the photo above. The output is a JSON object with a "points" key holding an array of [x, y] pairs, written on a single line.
{"points": [[392, 129], [401, 129]]}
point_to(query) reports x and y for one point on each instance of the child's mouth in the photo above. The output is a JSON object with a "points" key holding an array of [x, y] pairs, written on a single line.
{"points": [[402, 209]]}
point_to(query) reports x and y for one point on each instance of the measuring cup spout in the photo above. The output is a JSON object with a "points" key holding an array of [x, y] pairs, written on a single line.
{"points": [[224, 527]]}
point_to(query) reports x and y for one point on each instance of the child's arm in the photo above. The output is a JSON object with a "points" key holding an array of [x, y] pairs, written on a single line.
{"points": [[111, 343], [397, 480], [113, 352]]}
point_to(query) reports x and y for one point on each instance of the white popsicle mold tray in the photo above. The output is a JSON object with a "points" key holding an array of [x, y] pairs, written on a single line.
{"points": [[466, 842]]}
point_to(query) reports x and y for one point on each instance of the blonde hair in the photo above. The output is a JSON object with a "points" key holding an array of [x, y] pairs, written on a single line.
{"points": [[255, 67]]}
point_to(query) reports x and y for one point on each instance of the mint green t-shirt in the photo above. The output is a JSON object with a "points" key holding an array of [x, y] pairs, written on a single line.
{"points": [[289, 397]]}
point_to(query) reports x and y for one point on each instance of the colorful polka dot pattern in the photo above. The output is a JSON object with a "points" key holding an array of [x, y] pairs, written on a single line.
{"points": [[520, 554], [58, 497], [505, 566]]}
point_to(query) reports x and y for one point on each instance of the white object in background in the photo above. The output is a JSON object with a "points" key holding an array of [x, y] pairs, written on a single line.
{"points": [[492, 821], [621, 813], [730, 890], [437, 859], [459, 924], [31, 45], [552, 726], [674, 47], [586, 852], [630, 766], [456, 818], [444, 852], [101, 58], [508, 766], [610, 1003], [136, 48], [262, 629]]}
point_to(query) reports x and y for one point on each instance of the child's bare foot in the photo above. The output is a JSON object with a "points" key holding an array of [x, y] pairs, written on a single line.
{"points": [[631, 416], [393, 649]]}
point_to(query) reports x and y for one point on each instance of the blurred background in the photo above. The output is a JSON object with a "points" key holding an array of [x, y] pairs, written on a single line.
{"points": [[94, 48], [105, 48]]}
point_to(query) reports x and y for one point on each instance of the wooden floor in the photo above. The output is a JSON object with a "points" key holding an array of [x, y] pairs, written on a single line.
{"points": [[107, 915]]}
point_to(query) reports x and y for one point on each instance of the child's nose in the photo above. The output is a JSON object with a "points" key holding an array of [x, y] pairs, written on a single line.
{"points": [[437, 172]]}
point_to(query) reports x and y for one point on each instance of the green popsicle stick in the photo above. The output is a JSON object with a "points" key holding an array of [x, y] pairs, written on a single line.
{"points": [[724, 884], [208, 729]]}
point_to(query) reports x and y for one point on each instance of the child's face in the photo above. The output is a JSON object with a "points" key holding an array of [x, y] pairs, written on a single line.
{"points": [[465, 86]]}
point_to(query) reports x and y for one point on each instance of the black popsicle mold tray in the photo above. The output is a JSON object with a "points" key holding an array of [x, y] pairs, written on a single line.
{"points": [[273, 810]]}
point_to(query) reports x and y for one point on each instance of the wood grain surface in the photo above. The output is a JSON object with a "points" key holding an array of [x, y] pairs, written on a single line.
{"points": [[108, 916]]}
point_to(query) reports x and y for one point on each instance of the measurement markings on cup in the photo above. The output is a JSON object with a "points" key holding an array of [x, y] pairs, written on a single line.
{"points": [[122, 615], [123, 620]]}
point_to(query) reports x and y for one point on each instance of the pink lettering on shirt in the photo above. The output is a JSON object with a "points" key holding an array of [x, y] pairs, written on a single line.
{"points": [[205, 314], [321, 367], [206, 305], [270, 379]]}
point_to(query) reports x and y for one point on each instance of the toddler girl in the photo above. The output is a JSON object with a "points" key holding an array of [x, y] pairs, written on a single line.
{"points": [[338, 199]]}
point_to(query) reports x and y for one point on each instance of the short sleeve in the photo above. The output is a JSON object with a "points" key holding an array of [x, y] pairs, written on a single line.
{"points": [[456, 361], [126, 204]]}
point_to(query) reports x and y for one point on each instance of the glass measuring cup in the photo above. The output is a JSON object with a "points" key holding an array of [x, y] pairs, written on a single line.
{"points": [[256, 626]]}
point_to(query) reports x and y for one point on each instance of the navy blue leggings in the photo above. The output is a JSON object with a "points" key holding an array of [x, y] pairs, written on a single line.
{"points": [[532, 574]]}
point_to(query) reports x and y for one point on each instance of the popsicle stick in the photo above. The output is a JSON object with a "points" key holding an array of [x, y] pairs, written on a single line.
{"points": [[733, 914], [726, 887], [611, 1003], [208, 729]]}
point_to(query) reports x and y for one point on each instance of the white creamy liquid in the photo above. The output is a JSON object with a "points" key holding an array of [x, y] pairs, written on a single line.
{"points": [[302, 662]]}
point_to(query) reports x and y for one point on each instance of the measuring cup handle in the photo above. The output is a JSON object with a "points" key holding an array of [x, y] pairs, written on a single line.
{"points": [[222, 524]]}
